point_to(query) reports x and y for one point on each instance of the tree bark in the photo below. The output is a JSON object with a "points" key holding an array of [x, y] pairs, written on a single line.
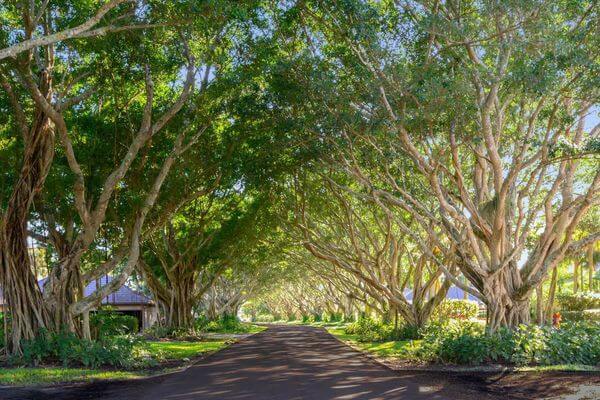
{"points": [[590, 262], [502, 311], [539, 305], [575, 276], [179, 309], [551, 295], [21, 291]]}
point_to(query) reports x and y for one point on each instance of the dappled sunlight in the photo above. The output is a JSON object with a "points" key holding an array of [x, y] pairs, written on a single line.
{"points": [[292, 363]]}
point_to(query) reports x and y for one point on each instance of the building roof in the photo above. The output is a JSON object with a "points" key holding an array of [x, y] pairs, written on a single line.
{"points": [[454, 293], [123, 296]]}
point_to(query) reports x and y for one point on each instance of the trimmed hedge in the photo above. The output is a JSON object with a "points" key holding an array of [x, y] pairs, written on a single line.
{"points": [[579, 301]]}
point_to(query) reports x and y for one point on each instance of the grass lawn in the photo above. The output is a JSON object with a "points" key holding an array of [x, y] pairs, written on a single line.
{"points": [[171, 350], [255, 328], [177, 350], [239, 328], [393, 348], [38, 376]]}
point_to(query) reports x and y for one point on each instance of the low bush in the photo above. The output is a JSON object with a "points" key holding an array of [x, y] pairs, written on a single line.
{"points": [[107, 322], [66, 348], [370, 330], [579, 301], [468, 343], [277, 317], [334, 317], [157, 331], [585, 315], [265, 318], [456, 309], [225, 324], [349, 318], [407, 332], [452, 342]]}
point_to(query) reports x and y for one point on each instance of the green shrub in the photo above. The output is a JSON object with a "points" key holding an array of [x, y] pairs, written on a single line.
{"points": [[452, 342], [585, 315], [467, 343], [107, 322], [265, 318], [225, 324], [528, 344], [66, 348], [370, 330], [407, 332], [277, 317], [334, 317], [579, 301], [573, 343], [157, 331], [350, 329], [456, 309]]}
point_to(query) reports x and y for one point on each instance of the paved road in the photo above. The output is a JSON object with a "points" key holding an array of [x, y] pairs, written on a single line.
{"points": [[282, 363]]}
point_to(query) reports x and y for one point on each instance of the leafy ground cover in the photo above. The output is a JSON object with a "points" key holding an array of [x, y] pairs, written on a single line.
{"points": [[59, 358], [574, 347], [203, 328], [163, 355], [226, 324]]}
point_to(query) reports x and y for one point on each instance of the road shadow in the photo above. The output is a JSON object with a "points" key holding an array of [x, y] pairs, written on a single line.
{"points": [[291, 363]]}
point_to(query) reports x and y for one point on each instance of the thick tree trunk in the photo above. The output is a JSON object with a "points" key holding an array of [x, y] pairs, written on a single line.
{"points": [[60, 293], [179, 310], [502, 311], [85, 325], [506, 307], [551, 295], [590, 262], [575, 276], [21, 291], [539, 305]]}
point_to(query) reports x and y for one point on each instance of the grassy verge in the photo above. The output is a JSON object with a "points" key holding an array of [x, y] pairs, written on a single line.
{"points": [[178, 350], [158, 350], [235, 328], [393, 351], [255, 328], [392, 348], [40, 376]]}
